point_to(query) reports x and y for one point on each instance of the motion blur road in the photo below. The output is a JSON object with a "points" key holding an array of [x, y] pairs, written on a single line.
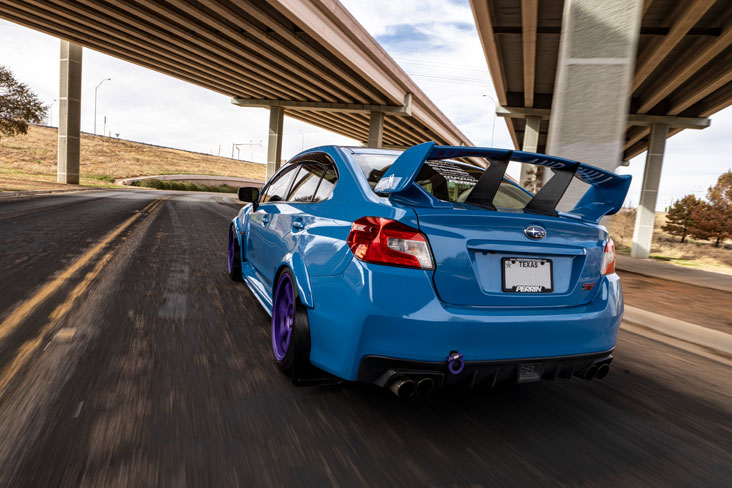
{"points": [[128, 358]]}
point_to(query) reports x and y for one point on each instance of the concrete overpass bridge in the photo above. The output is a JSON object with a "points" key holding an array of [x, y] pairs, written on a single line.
{"points": [[602, 82], [599, 82], [308, 59]]}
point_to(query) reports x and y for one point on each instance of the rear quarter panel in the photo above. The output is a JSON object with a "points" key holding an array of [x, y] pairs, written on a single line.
{"points": [[322, 245]]}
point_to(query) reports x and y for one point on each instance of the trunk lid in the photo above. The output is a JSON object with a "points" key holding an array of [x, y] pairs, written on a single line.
{"points": [[470, 245]]}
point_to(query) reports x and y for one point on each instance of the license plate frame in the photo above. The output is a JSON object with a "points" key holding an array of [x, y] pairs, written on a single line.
{"points": [[513, 289]]}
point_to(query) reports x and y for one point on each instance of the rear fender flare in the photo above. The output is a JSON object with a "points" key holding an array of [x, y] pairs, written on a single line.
{"points": [[294, 262]]}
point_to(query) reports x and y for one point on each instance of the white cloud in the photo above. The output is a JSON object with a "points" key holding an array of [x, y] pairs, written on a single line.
{"points": [[433, 40]]}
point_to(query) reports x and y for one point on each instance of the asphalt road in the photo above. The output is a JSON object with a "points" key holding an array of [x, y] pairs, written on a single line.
{"points": [[128, 358]]}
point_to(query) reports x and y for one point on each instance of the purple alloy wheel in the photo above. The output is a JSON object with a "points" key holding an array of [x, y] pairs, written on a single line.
{"points": [[283, 316], [231, 250]]}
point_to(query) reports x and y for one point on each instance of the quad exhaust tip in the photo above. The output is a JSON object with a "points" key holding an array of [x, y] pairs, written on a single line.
{"points": [[425, 386], [602, 371], [594, 371], [403, 387], [407, 387], [589, 372]]}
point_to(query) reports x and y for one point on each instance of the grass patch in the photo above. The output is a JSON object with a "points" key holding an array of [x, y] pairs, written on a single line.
{"points": [[679, 261], [107, 178], [181, 186]]}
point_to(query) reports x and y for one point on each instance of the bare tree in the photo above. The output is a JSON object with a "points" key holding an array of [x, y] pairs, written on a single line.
{"points": [[713, 219], [535, 178], [19, 106], [680, 219]]}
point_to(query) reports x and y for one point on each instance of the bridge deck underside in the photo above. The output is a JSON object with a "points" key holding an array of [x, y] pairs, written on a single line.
{"points": [[310, 50], [683, 67]]}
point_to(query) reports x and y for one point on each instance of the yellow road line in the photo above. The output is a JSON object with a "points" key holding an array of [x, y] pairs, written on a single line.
{"points": [[30, 346], [11, 322]]}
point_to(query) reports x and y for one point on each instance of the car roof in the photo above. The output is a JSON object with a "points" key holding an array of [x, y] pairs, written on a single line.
{"points": [[396, 152], [371, 150]]}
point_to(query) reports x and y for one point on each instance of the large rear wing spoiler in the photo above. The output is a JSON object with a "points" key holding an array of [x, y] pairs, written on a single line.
{"points": [[605, 195]]}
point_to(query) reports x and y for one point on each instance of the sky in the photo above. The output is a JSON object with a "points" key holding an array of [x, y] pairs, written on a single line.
{"points": [[434, 41]]}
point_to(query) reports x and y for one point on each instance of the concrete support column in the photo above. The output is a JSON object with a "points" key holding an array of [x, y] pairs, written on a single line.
{"points": [[274, 142], [376, 129], [69, 115], [594, 74], [531, 144], [646, 216]]}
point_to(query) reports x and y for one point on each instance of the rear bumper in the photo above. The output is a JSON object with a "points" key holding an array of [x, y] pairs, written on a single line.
{"points": [[381, 370], [394, 313]]}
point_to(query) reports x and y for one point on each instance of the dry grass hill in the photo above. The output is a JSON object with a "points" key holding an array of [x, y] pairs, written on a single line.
{"points": [[28, 162]]}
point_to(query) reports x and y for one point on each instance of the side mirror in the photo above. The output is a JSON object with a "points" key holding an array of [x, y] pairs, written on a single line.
{"points": [[248, 193]]}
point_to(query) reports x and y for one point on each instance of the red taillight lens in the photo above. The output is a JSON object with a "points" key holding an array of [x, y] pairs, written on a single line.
{"points": [[384, 241], [608, 258]]}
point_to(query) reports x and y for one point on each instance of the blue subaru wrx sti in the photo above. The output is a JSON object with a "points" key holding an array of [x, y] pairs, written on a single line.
{"points": [[411, 270]]}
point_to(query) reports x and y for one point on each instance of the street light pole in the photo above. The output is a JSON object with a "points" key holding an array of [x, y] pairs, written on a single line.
{"points": [[50, 113], [495, 107], [95, 102]]}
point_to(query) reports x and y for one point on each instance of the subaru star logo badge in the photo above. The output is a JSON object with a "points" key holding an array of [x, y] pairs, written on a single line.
{"points": [[535, 232]]}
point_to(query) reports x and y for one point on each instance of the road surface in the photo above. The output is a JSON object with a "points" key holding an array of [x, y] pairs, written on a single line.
{"points": [[128, 358]]}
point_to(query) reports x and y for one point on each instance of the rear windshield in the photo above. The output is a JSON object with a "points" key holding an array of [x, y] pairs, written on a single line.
{"points": [[449, 181]]}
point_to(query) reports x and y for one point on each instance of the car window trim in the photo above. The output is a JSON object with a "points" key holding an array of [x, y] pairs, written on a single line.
{"points": [[327, 167], [301, 163], [321, 158], [282, 171]]}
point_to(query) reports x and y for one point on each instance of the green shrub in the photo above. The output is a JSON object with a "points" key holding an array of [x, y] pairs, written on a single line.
{"points": [[106, 178], [182, 186]]}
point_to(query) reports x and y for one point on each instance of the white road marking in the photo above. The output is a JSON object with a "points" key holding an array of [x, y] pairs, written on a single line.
{"points": [[77, 412]]}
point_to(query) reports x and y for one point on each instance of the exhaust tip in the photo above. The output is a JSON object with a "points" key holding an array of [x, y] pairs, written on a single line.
{"points": [[602, 371], [403, 387], [425, 386], [587, 373]]}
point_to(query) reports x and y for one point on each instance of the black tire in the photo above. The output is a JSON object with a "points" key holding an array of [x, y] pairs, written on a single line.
{"points": [[296, 362], [234, 256]]}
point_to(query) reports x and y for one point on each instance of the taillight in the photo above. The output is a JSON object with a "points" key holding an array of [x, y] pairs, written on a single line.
{"points": [[384, 241], [608, 258]]}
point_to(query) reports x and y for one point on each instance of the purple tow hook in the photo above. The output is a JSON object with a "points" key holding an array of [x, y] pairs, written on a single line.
{"points": [[455, 363]]}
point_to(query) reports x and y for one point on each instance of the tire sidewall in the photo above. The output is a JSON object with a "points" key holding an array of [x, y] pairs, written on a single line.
{"points": [[297, 356], [235, 273]]}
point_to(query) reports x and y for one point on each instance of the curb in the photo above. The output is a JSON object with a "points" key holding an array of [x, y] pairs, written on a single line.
{"points": [[710, 279], [10, 195], [660, 325]]}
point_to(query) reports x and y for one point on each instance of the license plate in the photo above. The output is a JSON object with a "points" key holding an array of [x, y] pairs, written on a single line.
{"points": [[527, 275]]}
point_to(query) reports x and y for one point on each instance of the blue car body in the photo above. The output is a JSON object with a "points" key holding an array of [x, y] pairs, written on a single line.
{"points": [[367, 319]]}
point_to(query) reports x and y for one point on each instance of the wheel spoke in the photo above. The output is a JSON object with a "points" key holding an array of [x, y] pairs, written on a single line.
{"points": [[231, 252], [283, 310]]}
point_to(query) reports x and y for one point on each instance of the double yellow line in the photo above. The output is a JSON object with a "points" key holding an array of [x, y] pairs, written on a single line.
{"points": [[16, 317]]}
